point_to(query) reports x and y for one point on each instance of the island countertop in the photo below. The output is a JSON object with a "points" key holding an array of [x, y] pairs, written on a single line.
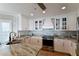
{"points": [[5, 50], [20, 49]]}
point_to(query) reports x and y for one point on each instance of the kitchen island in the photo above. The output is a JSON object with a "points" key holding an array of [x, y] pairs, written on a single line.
{"points": [[23, 48]]}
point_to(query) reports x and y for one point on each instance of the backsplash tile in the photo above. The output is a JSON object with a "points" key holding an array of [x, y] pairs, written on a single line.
{"points": [[49, 32]]}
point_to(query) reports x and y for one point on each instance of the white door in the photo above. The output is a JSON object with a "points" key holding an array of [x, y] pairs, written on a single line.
{"points": [[5, 29]]}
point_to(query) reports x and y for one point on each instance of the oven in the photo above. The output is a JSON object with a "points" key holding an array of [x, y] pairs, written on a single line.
{"points": [[48, 41]]}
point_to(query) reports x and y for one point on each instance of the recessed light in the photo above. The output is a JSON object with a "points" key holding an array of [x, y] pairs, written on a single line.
{"points": [[32, 14], [63, 7], [44, 11]]}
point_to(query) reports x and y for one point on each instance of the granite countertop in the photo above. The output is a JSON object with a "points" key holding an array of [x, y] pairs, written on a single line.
{"points": [[37, 37], [24, 50], [71, 39], [20, 49], [22, 37], [5, 50]]}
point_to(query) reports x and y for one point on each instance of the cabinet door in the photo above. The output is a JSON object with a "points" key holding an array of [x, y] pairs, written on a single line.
{"points": [[27, 40], [67, 46], [64, 23], [36, 25], [58, 45], [57, 24], [73, 49], [72, 21], [36, 41]]}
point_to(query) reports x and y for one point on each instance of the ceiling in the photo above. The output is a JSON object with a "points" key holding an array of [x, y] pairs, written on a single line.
{"points": [[27, 8]]}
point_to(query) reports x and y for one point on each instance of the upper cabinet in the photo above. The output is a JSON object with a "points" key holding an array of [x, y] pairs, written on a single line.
{"points": [[44, 24], [57, 24], [64, 23], [67, 22], [72, 21], [61, 23], [38, 24]]}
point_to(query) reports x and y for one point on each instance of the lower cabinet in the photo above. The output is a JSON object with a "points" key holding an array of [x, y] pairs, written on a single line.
{"points": [[73, 49], [58, 45], [67, 46], [36, 41], [64, 45]]}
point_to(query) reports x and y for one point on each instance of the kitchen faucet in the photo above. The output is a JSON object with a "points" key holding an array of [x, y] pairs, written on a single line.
{"points": [[12, 36]]}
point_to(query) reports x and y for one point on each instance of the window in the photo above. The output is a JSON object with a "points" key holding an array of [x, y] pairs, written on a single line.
{"points": [[6, 27]]}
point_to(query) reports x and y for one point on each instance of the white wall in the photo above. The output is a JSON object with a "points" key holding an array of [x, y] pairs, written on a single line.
{"points": [[3, 16], [22, 23], [25, 23], [31, 24]]}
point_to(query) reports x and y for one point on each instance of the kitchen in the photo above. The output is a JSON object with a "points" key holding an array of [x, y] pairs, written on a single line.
{"points": [[52, 27]]}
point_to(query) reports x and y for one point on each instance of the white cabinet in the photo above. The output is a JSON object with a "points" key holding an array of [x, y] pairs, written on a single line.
{"points": [[72, 21], [66, 22], [61, 45], [35, 24], [34, 41], [67, 46], [64, 45], [38, 24], [58, 45], [73, 49], [58, 24]]}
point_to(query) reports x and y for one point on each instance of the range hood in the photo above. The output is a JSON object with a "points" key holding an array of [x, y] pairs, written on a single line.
{"points": [[48, 24]]}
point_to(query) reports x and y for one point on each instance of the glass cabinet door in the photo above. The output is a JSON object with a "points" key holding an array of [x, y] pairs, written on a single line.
{"points": [[64, 23], [57, 24], [40, 24], [36, 25]]}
